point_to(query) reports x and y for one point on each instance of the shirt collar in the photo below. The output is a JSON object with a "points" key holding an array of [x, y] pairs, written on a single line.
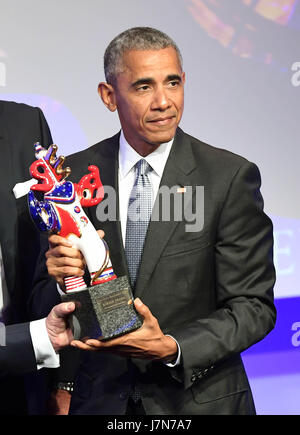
{"points": [[128, 157]]}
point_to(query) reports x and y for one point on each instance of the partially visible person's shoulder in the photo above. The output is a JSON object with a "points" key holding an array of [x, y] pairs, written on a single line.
{"points": [[9, 107], [17, 115]]}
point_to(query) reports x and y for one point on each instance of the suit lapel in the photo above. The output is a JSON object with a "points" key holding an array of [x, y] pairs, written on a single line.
{"points": [[107, 160], [178, 172]]}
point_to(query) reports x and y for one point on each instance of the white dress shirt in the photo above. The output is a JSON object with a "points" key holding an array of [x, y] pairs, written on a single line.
{"points": [[44, 352], [128, 157]]}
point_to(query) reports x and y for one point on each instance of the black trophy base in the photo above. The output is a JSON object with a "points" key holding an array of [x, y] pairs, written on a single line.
{"points": [[104, 311]]}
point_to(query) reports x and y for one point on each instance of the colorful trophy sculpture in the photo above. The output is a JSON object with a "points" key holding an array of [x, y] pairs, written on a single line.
{"points": [[105, 309]]}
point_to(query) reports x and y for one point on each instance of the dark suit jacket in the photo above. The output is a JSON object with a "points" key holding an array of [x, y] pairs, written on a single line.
{"points": [[16, 341], [212, 290], [20, 127]]}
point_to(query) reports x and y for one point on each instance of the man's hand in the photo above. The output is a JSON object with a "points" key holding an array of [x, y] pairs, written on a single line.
{"points": [[57, 325], [148, 342], [63, 260]]}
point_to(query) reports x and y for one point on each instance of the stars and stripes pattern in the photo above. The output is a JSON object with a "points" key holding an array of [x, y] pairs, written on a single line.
{"points": [[107, 275], [74, 283]]}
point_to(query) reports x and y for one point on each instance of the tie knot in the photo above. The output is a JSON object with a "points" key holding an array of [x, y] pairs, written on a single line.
{"points": [[142, 167]]}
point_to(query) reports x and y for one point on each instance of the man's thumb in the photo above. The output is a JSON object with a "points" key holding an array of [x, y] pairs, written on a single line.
{"points": [[63, 309]]}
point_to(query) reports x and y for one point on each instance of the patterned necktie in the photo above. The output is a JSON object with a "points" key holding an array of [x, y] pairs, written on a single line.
{"points": [[138, 217]]}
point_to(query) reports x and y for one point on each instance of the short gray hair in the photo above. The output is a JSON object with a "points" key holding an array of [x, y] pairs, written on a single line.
{"points": [[137, 38]]}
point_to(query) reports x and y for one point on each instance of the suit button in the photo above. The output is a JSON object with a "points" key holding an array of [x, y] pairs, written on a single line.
{"points": [[123, 395]]}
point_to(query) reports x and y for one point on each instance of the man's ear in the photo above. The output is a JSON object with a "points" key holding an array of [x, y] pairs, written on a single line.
{"points": [[108, 96]]}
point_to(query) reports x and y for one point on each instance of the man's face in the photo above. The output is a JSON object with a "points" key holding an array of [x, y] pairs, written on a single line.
{"points": [[149, 97]]}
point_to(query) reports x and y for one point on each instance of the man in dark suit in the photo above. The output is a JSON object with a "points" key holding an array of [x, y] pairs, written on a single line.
{"points": [[20, 127], [204, 287]]}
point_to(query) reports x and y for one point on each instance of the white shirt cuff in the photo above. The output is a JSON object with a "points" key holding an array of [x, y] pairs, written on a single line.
{"points": [[45, 355], [60, 290], [177, 362]]}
